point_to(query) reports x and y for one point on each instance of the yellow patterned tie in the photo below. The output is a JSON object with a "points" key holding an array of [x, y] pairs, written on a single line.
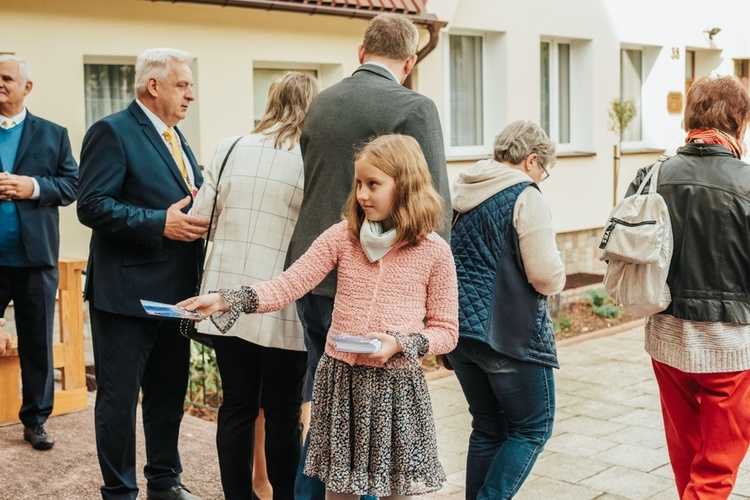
{"points": [[9, 123], [171, 138]]}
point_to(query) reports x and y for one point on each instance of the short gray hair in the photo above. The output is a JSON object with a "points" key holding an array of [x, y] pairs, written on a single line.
{"points": [[520, 139], [156, 63], [24, 67]]}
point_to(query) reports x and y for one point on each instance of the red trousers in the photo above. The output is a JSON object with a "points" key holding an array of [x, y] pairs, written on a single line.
{"points": [[707, 425]]}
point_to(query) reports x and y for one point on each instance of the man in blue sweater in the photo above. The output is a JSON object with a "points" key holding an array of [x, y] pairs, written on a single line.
{"points": [[37, 175]]}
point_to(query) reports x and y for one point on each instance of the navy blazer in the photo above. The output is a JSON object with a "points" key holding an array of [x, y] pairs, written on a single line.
{"points": [[128, 181], [44, 154]]}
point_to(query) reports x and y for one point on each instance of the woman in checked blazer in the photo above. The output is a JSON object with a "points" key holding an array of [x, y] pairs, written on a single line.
{"points": [[262, 359]]}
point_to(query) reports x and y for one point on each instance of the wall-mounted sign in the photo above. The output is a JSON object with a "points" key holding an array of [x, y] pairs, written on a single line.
{"points": [[674, 102]]}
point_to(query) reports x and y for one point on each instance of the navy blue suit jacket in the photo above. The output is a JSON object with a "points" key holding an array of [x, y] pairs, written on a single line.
{"points": [[128, 181], [44, 154]]}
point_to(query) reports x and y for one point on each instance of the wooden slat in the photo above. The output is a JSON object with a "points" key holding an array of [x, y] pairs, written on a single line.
{"points": [[67, 355]]}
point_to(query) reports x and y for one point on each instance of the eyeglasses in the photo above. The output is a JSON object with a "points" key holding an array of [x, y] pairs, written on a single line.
{"points": [[545, 173]]}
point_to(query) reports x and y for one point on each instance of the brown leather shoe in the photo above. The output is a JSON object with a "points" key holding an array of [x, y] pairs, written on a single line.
{"points": [[176, 492], [38, 437]]}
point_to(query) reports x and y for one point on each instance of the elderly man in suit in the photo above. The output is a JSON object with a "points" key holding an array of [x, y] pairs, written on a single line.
{"points": [[369, 103], [38, 175], [138, 176]]}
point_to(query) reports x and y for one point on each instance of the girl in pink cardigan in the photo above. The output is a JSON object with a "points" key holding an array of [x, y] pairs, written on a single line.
{"points": [[372, 430]]}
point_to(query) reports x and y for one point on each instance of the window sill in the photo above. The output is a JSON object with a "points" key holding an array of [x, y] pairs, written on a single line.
{"points": [[575, 154], [465, 158], [642, 151]]}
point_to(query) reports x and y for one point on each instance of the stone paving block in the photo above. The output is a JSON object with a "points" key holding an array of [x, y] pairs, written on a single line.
{"points": [[627, 483], [577, 445], [565, 400], [568, 468], [668, 494], [603, 410], [634, 457], [562, 414], [543, 488], [645, 401], [639, 435], [664, 471], [742, 486], [457, 479], [646, 418], [458, 421], [603, 392], [452, 462], [647, 386], [618, 374], [588, 426]]}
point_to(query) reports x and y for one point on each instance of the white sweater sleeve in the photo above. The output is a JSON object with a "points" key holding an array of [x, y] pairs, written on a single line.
{"points": [[541, 259]]}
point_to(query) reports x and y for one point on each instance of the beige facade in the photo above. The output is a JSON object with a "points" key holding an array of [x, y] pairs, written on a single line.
{"points": [[231, 44]]}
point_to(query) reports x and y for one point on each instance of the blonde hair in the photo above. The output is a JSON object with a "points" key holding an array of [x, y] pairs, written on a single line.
{"points": [[391, 36], [288, 101], [417, 208]]}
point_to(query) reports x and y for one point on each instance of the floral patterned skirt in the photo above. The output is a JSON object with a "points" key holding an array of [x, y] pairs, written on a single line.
{"points": [[372, 431]]}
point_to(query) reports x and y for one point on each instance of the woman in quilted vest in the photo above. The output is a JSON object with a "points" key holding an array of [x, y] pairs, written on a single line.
{"points": [[507, 264], [700, 345]]}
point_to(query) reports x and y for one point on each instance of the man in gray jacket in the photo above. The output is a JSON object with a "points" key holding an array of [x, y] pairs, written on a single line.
{"points": [[369, 103]]}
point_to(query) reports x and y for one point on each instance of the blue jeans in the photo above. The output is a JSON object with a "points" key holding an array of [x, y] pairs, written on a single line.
{"points": [[315, 312], [512, 404]]}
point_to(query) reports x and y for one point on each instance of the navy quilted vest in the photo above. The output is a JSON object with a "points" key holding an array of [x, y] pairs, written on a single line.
{"points": [[497, 304]]}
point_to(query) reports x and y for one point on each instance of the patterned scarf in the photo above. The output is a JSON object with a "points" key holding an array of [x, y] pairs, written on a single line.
{"points": [[714, 136]]}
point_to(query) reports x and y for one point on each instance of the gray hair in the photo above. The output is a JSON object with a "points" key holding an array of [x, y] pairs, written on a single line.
{"points": [[24, 67], [156, 63], [520, 139]]}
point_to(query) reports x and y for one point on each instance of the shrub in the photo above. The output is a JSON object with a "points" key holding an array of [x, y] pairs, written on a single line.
{"points": [[602, 304], [562, 323], [607, 311]]}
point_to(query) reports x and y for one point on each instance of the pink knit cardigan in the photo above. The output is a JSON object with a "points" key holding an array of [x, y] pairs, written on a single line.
{"points": [[412, 289]]}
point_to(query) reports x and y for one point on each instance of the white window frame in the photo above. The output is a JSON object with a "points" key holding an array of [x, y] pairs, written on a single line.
{"points": [[554, 90], [260, 99], [476, 150], [637, 143]]}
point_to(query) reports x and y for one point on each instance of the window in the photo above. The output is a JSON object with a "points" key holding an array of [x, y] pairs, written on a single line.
{"points": [[555, 98], [262, 80], [108, 88], [466, 107], [742, 71], [631, 84]]}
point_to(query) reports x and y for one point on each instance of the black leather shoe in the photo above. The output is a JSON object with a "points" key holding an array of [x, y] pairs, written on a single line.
{"points": [[176, 492], [38, 437]]}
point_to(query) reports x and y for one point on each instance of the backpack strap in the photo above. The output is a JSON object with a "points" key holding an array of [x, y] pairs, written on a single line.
{"points": [[653, 175]]}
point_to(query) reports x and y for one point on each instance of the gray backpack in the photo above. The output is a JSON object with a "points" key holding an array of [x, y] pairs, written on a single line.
{"points": [[637, 245]]}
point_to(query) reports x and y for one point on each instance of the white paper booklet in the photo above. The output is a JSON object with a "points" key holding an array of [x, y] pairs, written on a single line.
{"points": [[359, 345]]}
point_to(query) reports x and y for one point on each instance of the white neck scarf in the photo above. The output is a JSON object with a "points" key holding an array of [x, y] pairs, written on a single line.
{"points": [[375, 242]]}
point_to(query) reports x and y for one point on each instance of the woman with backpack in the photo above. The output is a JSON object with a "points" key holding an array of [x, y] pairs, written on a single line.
{"points": [[700, 345]]}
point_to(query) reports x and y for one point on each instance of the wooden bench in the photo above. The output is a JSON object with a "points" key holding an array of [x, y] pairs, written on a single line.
{"points": [[67, 352]]}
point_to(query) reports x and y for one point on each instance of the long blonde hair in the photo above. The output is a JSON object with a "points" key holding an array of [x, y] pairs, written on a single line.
{"points": [[288, 102], [417, 208]]}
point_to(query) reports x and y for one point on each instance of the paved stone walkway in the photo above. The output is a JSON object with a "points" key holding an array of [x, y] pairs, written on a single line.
{"points": [[608, 441]]}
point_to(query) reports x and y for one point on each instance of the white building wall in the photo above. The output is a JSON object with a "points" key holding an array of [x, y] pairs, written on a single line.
{"points": [[58, 37]]}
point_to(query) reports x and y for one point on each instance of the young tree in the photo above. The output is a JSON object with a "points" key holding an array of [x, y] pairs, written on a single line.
{"points": [[621, 113]]}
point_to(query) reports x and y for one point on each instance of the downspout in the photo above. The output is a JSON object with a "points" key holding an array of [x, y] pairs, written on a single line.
{"points": [[433, 28]]}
